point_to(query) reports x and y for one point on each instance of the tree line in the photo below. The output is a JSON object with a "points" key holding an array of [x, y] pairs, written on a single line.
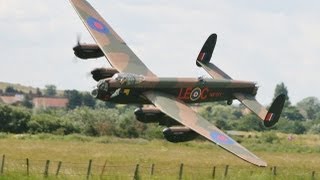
{"points": [[85, 115]]}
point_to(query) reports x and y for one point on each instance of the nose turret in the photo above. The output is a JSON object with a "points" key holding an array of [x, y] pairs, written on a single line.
{"points": [[101, 91]]}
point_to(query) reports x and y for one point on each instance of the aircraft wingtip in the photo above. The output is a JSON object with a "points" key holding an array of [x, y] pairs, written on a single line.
{"points": [[263, 164], [259, 162]]}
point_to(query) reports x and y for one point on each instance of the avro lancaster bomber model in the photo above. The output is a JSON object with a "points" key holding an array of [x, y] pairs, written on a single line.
{"points": [[131, 82]]}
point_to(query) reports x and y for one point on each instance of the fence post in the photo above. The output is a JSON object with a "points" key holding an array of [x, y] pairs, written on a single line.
{"points": [[181, 171], [313, 175], [46, 169], [136, 173], [58, 168], [274, 170], [103, 168], [226, 171], [152, 170], [2, 164], [214, 172], [27, 162], [89, 169]]}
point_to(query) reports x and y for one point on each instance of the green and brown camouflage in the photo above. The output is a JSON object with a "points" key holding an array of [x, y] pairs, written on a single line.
{"points": [[270, 117], [189, 90], [179, 111], [130, 81], [114, 48]]}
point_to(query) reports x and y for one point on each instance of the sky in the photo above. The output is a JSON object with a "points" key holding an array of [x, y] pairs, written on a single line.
{"points": [[267, 42]]}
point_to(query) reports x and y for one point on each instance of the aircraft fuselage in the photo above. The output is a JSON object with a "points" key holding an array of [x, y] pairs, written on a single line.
{"points": [[188, 90]]}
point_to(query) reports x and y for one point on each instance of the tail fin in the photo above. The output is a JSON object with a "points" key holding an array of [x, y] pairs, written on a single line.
{"points": [[207, 50], [275, 110], [270, 117], [204, 58]]}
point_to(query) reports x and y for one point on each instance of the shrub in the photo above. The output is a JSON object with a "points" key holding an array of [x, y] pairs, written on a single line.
{"points": [[270, 137], [14, 119]]}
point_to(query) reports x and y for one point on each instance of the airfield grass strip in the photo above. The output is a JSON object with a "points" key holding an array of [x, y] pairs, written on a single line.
{"points": [[14, 169], [26, 157]]}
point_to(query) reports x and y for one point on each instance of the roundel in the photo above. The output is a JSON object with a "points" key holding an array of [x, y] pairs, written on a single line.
{"points": [[195, 94], [97, 25], [221, 138]]}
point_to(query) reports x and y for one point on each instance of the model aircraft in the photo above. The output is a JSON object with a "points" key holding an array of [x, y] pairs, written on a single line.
{"points": [[130, 81]]}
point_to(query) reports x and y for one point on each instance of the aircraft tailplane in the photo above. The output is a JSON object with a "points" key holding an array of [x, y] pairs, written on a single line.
{"points": [[269, 117]]}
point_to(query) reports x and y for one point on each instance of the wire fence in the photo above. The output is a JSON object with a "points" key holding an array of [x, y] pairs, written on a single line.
{"points": [[92, 170]]}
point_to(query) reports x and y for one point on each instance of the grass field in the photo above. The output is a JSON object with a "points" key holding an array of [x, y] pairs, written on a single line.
{"points": [[294, 159]]}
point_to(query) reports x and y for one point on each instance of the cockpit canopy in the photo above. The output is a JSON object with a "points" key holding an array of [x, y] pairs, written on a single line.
{"points": [[128, 78]]}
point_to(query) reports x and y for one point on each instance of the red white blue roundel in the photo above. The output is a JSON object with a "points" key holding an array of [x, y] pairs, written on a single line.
{"points": [[195, 94], [220, 138], [97, 25]]}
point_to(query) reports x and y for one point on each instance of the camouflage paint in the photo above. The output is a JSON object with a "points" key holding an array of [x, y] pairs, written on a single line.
{"points": [[115, 49], [164, 93], [179, 111], [189, 90]]}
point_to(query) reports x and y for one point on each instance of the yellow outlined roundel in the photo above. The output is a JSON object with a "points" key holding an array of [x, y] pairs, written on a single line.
{"points": [[195, 94]]}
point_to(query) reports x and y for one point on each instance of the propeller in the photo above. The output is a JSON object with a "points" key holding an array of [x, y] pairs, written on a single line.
{"points": [[78, 40]]}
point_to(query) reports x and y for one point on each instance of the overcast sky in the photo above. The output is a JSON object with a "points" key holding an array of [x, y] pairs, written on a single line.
{"points": [[263, 41]]}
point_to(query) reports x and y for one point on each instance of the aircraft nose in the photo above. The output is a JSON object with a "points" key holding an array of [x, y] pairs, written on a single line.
{"points": [[95, 93]]}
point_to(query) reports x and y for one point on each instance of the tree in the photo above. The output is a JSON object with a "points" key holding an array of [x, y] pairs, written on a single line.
{"points": [[309, 107], [51, 122], [286, 126], [27, 101], [315, 129], [88, 100], [292, 113], [74, 97], [282, 89], [221, 124], [250, 122], [14, 119], [50, 90], [218, 112], [10, 90], [38, 92]]}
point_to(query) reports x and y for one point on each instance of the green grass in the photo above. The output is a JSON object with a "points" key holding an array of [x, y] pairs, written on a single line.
{"points": [[122, 155]]}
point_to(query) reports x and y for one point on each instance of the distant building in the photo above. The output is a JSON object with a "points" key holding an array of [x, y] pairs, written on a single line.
{"points": [[49, 102], [12, 99]]}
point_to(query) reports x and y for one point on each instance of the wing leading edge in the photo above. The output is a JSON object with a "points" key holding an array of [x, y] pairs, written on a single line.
{"points": [[186, 116], [119, 55]]}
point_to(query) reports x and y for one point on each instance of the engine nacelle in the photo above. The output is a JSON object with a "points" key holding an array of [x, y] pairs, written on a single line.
{"points": [[179, 134], [154, 115], [103, 73], [88, 51]]}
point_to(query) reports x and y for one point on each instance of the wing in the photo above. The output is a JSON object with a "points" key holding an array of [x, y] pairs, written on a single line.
{"points": [[119, 55], [179, 111]]}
